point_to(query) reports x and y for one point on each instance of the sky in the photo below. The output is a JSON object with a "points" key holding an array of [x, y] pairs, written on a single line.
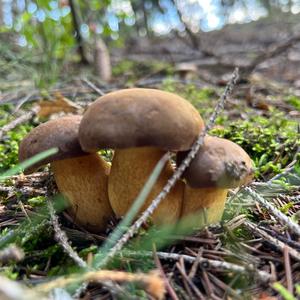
{"points": [[202, 15]]}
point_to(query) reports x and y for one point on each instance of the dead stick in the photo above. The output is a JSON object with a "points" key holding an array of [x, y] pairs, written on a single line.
{"points": [[263, 276], [168, 285], [285, 220], [272, 52], [219, 265], [25, 190], [22, 119], [288, 271], [275, 242], [153, 282], [62, 238], [92, 86]]}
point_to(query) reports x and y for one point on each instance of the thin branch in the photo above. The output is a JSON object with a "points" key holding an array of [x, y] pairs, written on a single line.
{"points": [[274, 211], [77, 23], [171, 182], [92, 86], [193, 37], [272, 52], [168, 285], [20, 120], [62, 238], [288, 270], [24, 190], [153, 283], [262, 276], [275, 242]]}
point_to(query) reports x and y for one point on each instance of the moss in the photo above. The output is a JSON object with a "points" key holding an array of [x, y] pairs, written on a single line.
{"points": [[200, 98], [294, 100], [37, 201], [10, 146], [272, 142]]}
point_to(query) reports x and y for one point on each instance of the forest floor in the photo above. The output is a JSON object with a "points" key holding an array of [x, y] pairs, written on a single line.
{"points": [[254, 253]]}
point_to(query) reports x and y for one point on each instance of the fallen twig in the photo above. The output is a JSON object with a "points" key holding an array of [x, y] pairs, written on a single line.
{"points": [[154, 284], [62, 238], [226, 288], [275, 50], [92, 86], [277, 213], [168, 285], [24, 190], [262, 276], [189, 282], [20, 120], [275, 242], [288, 271], [171, 182]]}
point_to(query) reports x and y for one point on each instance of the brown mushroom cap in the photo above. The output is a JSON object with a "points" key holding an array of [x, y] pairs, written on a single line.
{"points": [[140, 118], [61, 133], [218, 163]]}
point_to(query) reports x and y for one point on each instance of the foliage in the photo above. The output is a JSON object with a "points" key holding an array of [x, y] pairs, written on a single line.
{"points": [[271, 142], [47, 29], [295, 101], [10, 145], [284, 292]]}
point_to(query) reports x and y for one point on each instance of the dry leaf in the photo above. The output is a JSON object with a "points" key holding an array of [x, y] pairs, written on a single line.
{"points": [[59, 104], [265, 296]]}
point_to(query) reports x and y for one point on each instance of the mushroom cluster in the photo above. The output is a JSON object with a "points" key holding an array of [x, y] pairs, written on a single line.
{"points": [[140, 125]]}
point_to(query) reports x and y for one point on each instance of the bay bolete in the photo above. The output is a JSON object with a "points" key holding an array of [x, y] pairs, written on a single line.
{"points": [[141, 124], [81, 177], [219, 165]]}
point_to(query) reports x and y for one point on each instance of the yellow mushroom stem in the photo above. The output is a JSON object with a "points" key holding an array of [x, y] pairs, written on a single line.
{"points": [[83, 181], [130, 170], [207, 203]]}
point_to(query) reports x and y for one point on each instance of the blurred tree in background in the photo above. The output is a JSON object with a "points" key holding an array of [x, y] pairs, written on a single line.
{"points": [[53, 31]]}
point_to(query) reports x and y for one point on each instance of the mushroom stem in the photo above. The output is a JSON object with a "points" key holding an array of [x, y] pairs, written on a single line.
{"points": [[130, 170], [208, 203], [83, 181]]}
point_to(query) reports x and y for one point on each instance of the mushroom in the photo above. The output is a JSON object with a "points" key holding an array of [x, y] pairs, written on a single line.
{"points": [[141, 124], [219, 165], [81, 177], [186, 70]]}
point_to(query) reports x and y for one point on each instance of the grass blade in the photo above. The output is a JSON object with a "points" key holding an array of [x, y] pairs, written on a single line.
{"points": [[29, 162], [127, 220]]}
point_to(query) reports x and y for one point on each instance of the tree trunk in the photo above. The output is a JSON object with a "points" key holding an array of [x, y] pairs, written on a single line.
{"points": [[77, 24], [1, 13]]}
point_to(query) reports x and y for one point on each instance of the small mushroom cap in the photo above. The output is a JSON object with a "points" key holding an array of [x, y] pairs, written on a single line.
{"points": [[61, 133], [140, 118], [218, 163], [186, 67]]}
